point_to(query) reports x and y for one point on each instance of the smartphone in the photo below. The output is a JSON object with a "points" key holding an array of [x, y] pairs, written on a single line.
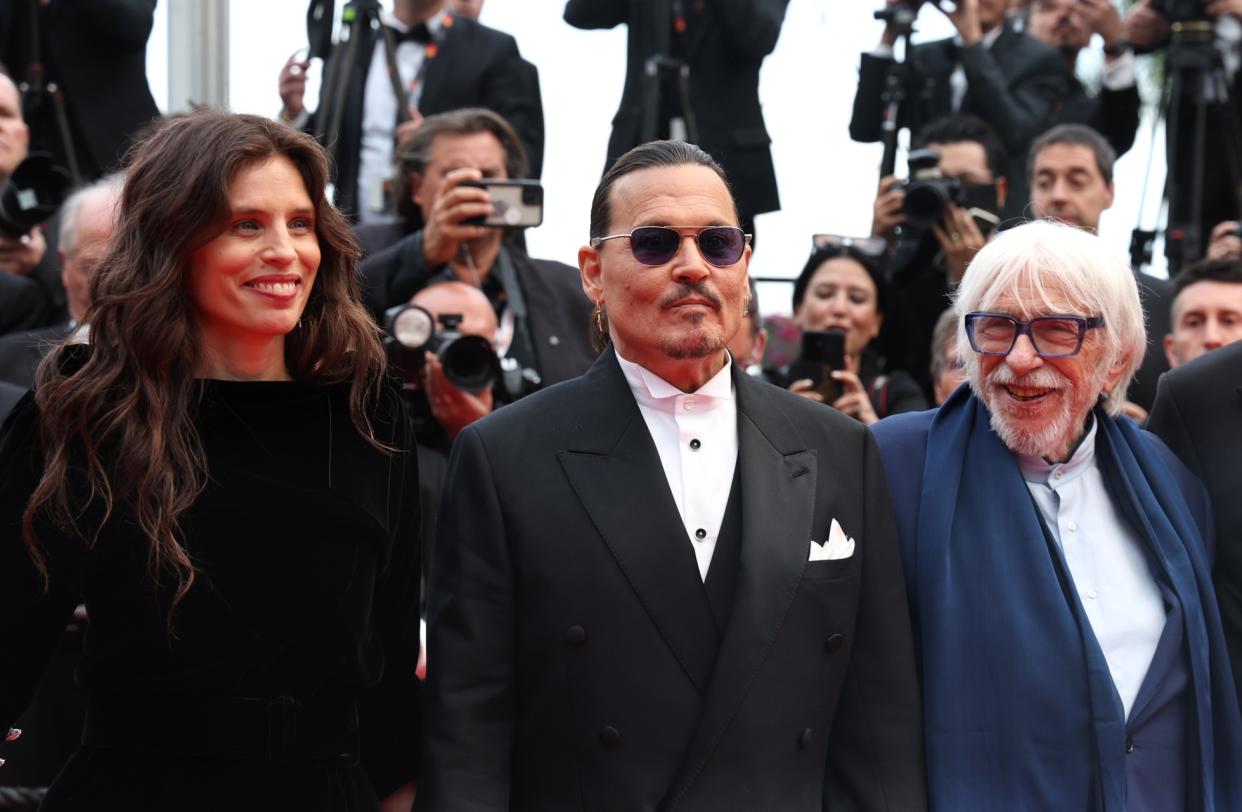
{"points": [[517, 203], [822, 354]]}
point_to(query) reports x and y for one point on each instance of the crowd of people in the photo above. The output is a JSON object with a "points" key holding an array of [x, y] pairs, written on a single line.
{"points": [[333, 497]]}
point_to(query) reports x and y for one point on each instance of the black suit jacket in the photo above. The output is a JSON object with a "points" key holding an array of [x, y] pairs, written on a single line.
{"points": [[474, 66], [20, 353], [1198, 413], [97, 52], [1114, 114], [567, 671], [1014, 86], [559, 314], [727, 43]]}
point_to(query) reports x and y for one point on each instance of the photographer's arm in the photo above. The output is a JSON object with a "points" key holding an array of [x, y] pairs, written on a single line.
{"points": [[123, 24], [597, 13], [753, 25], [1017, 113]]}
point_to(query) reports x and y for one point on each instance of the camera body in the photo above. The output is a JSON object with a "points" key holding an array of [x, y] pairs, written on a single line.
{"points": [[469, 361], [32, 194], [1181, 11], [929, 193]]}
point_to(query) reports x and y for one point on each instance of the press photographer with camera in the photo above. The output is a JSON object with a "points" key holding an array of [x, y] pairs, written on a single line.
{"points": [[539, 304], [989, 69], [31, 188], [957, 174]]}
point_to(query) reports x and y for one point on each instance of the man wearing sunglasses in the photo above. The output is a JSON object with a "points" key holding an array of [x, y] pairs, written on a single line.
{"points": [[1071, 648], [666, 585]]}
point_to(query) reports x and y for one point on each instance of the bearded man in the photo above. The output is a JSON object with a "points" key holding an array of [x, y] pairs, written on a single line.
{"points": [[1056, 560]]}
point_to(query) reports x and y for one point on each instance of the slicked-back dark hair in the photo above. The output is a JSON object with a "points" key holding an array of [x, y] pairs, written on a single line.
{"points": [[1079, 135], [651, 155], [821, 255], [960, 127]]}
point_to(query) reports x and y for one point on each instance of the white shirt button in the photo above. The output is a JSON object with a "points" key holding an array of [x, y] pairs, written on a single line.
{"points": [[1091, 593], [1058, 474], [688, 404], [1072, 526]]}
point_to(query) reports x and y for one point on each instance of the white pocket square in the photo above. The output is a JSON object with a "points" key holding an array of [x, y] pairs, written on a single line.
{"points": [[837, 547]]}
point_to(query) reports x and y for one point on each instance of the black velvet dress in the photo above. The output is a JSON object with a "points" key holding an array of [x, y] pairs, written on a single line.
{"points": [[287, 681]]}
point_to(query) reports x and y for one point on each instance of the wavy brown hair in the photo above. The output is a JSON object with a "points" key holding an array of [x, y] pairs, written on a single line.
{"points": [[118, 428]]}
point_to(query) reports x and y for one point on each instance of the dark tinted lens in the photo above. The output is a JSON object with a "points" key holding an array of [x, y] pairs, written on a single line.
{"points": [[654, 245], [722, 245]]}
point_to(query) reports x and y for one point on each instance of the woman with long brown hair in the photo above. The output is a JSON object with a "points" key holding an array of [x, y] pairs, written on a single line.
{"points": [[221, 474]]}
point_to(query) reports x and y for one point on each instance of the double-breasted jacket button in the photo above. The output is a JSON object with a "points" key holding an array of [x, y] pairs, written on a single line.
{"points": [[575, 635], [834, 643], [609, 735], [1129, 744], [804, 739]]}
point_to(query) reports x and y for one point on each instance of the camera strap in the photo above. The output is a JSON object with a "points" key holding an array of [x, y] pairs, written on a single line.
{"points": [[522, 348]]}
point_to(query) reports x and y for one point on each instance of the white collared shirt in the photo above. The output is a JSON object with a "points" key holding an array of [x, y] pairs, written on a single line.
{"points": [[1105, 559], [696, 437], [379, 114]]}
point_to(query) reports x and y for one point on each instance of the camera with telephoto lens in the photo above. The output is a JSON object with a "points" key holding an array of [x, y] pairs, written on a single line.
{"points": [[929, 192], [469, 362], [32, 194]]}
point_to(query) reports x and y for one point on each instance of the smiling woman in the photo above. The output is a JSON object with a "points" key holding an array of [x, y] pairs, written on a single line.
{"points": [[224, 474]]}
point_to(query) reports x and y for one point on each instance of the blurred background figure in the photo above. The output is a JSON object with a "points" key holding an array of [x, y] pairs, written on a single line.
{"points": [[467, 8], [749, 342], [947, 370], [82, 66], [1207, 309], [842, 290], [692, 74]]}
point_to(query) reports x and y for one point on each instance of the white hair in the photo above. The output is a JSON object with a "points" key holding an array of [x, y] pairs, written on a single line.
{"points": [[72, 207], [1082, 267]]}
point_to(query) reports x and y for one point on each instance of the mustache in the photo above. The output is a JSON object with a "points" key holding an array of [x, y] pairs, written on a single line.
{"points": [[690, 290], [1043, 378]]}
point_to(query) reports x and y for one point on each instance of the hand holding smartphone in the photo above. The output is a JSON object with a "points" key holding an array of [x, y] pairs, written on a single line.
{"points": [[515, 203]]}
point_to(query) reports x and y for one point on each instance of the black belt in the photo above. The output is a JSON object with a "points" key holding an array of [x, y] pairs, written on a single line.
{"points": [[281, 729]]}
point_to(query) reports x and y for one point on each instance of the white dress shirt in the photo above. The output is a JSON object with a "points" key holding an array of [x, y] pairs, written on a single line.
{"points": [[957, 80], [1105, 559], [379, 115], [696, 437]]}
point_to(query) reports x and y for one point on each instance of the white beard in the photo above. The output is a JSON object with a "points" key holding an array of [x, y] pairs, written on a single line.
{"points": [[1054, 436]]}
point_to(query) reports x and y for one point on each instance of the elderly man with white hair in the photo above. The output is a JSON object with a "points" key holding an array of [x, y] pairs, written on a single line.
{"points": [[1070, 644]]}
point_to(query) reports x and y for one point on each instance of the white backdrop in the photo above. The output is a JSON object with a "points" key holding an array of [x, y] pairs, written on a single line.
{"points": [[807, 86]]}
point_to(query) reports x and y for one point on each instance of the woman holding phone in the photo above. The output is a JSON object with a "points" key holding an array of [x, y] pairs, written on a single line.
{"points": [[838, 303], [224, 475]]}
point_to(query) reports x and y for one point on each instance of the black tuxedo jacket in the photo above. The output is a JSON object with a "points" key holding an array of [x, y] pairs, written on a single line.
{"points": [[558, 312], [569, 666], [474, 66], [1198, 413], [20, 353], [727, 41], [1014, 86], [1114, 114], [97, 52]]}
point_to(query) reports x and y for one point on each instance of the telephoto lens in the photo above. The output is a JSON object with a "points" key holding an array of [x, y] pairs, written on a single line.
{"points": [[32, 194]]}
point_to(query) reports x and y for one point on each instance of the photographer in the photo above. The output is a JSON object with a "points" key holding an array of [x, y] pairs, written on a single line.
{"points": [[1149, 26], [539, 304], [1068, 26], [928, 262], [31, 294], [1006, 78]]}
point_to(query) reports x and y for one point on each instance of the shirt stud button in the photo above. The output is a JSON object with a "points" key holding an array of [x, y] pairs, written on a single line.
{"points": [[695, 445], [700, 534]]}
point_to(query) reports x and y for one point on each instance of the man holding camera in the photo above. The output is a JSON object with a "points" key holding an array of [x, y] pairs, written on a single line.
{"points": [[928, 262], [30, 295], [542, 313], [990, 70]]}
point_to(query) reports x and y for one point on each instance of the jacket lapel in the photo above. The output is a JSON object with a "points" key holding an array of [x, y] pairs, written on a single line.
{"points": [[778, 505], [618, 477]]}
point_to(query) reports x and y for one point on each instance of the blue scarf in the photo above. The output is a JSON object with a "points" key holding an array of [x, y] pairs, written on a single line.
{"points": [[1019, 700]]}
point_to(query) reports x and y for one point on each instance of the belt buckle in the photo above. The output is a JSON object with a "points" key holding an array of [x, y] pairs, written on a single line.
{"points": [[282, 727]]}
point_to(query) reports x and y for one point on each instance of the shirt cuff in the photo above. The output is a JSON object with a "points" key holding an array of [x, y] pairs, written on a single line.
{"points": [[883, 52], [1119, 72]]}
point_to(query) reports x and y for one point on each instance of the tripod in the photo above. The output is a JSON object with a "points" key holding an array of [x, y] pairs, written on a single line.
{"points": [[902, 19], [666, 110], [1197, 99]]}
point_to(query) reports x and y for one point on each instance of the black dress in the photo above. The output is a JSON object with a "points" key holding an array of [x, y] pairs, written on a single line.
{"points": [[287, 680]]}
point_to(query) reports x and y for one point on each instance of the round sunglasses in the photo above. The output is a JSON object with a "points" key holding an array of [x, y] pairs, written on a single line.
{"points": [[656, 245]]}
